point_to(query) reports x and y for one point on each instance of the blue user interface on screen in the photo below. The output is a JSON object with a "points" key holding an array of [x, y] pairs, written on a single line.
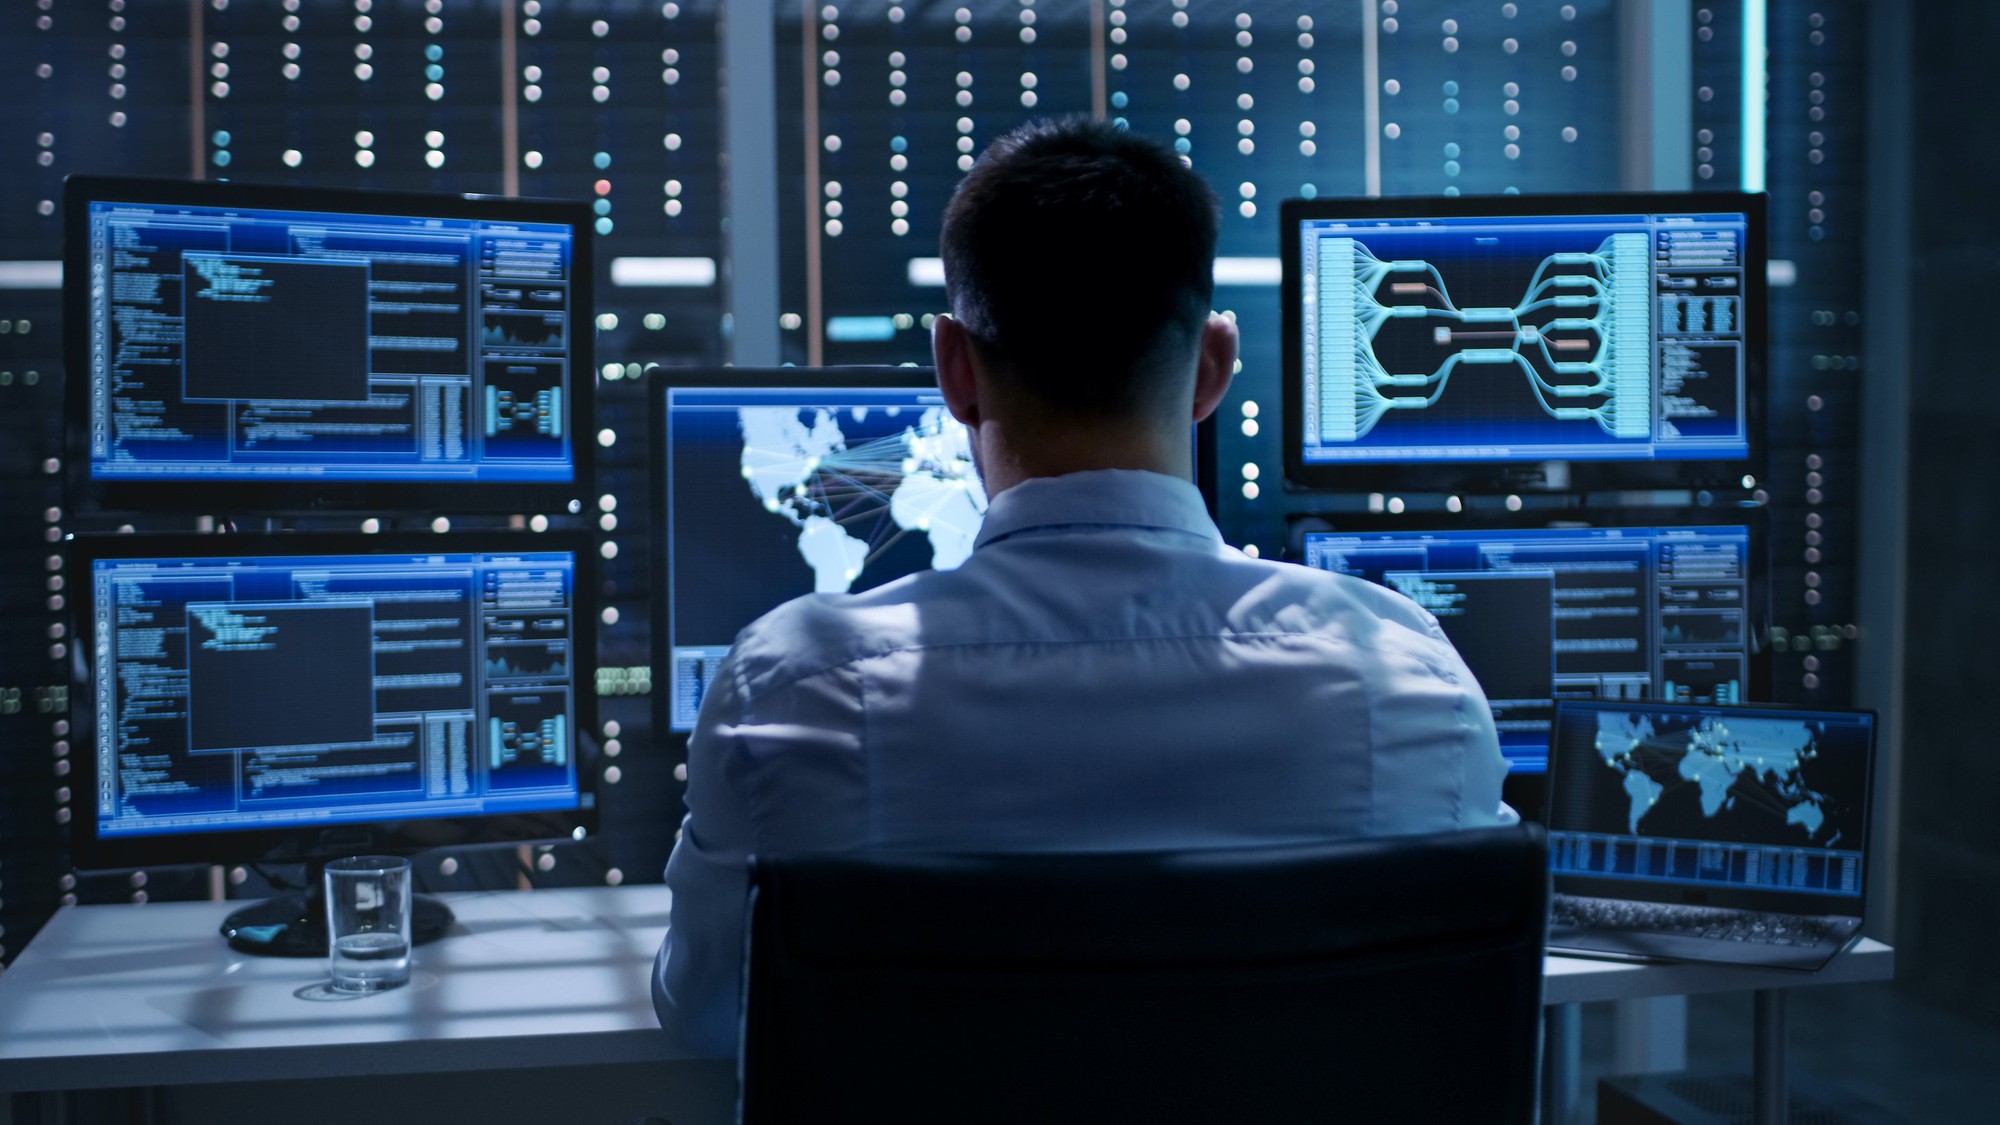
{"points": [[1712, 796], [235, 344], [285, 692], [1599, 612], [776, 492], [1516, 338]]}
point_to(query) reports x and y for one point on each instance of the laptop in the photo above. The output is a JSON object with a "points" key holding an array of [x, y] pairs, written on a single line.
{"points": [[1708, 832]]}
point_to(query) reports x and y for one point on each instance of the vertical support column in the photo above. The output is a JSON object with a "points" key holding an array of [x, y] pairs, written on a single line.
{"points": [[815, 279], [1099, 104], [1756, 80], [197, 108], [1771, 1104], [510, 104], [1371, 99], [750, 181], [1562, 1063], [1650, 1035], [1881, 572], [1656, 95], [1672, 46]]}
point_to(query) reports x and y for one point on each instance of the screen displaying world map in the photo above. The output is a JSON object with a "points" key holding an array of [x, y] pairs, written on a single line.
{"points": [[777, 492], [1712, 774], [852, 496]]}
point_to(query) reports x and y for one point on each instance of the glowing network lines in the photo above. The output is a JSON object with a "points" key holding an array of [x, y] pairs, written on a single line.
{"points": [[1597, 343], [853, 502]]}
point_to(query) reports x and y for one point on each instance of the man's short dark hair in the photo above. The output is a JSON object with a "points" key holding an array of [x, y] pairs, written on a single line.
{"points": [[1081, 258]]}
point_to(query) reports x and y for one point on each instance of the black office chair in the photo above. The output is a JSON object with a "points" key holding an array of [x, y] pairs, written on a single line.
{"points": [[1392, 979]]}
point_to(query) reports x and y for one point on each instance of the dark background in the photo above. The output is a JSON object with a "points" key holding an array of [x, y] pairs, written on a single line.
{"points": [[1950, 838]]}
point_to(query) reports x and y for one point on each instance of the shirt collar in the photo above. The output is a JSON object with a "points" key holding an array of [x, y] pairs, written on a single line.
{"points": [[1104, 498]]}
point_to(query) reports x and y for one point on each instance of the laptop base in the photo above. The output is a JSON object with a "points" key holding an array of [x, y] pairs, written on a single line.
{"points": [[1615, 945]]}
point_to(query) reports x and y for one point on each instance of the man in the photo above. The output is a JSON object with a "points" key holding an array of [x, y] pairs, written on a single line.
{"points": [[1102, 672]]}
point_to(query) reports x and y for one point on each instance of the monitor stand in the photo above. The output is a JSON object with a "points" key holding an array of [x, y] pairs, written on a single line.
{"points": [[293, 924]]}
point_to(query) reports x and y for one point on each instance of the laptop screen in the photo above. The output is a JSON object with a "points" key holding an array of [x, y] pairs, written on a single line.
{"points": [[1759, 807]]}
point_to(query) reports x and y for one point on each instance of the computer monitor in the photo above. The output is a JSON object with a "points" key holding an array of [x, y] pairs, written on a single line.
{"points": [[234, 348], [1521, 342], [1614, 609], [1761, 807], [773, 483], [300, 698]]}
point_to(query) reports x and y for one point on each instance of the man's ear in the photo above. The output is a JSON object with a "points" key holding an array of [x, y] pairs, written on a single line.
{"points": [[951, 345], [1216, 364]]}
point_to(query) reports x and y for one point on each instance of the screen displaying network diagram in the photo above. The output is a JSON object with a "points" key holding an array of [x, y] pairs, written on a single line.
{"points": [[1543, 337], [1589, 612], [776, 492], [244, 344]]}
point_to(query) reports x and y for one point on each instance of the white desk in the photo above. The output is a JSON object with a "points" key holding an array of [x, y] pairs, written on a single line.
{"points": [[1580, 980], [1568, 981], [118, 996], [121, 996]]}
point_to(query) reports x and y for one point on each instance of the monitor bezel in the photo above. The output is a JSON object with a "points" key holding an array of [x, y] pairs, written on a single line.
{"points": [[308, 843], [233, 496], [1512, 476], [1739, 898], [665, 380]]}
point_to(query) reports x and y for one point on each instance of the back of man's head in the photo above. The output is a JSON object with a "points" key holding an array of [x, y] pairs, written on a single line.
{"points": [[1081, 258]]}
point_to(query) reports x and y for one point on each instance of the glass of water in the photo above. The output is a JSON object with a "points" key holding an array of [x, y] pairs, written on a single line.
{"points": [[368, 922]]}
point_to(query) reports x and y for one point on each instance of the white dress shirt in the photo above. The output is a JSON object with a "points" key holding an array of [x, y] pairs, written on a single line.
{"points": [[1101, 673]]}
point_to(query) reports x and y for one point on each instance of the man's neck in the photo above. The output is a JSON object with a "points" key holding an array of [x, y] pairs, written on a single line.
{"points": [[1052, 453]]}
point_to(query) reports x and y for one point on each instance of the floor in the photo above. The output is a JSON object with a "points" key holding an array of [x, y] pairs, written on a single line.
{"points": [[1918, 1062]]}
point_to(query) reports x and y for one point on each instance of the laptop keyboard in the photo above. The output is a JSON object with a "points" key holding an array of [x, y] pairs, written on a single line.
{"points": [[1711, 923]]}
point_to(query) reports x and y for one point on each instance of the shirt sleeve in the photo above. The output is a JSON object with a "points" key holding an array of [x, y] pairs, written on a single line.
{"points": [[773, 766], [697, 977], [1437, 762], [1484, 766]]}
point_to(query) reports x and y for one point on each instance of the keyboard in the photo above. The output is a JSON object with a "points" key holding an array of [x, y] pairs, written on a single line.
{"points": [[1696, 933]]}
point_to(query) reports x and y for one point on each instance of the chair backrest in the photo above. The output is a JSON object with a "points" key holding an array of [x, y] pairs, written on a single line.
{"points": [[1394, 979]]}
